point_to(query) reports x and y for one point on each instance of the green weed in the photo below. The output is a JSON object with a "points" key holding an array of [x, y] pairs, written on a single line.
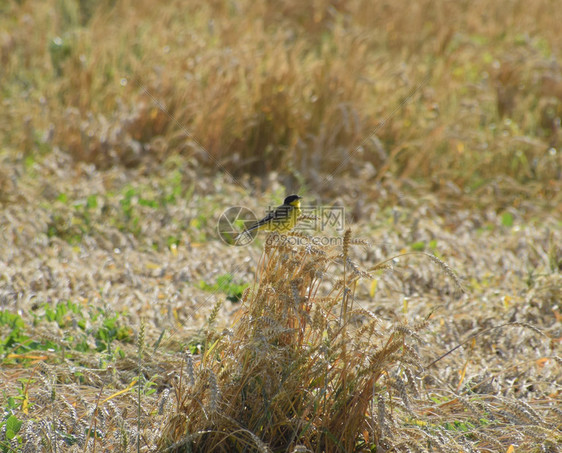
{"points": [[225, 284]]}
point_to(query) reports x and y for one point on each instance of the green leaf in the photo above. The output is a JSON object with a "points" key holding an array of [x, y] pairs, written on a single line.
{"points": [[148, 203], [507, 219], [92, 202], [12, 320], [13, 425], [418, 246]]}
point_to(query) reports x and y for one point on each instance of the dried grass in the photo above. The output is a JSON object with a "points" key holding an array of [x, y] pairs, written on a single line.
{"points": [[295, 372], [305, 90], [291, 373], [109, 201]]}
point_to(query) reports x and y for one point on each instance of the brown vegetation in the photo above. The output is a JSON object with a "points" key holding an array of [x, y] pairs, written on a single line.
{"points": [[126, 128]]}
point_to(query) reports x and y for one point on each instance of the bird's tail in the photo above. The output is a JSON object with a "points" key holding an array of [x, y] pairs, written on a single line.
{"points": [[244, 237]]}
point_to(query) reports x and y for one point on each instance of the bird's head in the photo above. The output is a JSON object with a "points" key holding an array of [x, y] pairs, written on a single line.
{"points": [[293, 200]]}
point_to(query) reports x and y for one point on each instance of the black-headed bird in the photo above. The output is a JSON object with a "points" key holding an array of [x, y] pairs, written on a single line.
{"points": [[282, 219]]}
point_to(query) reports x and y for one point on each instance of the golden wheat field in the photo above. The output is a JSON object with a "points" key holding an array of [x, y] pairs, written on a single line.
{"points": [[417, 306]]}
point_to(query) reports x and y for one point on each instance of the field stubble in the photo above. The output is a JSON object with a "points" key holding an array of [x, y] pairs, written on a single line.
{"points": [[109, 205]]}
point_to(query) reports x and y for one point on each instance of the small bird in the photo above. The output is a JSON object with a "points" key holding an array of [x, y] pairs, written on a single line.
{"points": [[283, 219]]}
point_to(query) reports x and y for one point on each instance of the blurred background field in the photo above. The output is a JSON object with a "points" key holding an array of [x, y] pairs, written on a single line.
{"points": [[460, 92], [127, 128]]}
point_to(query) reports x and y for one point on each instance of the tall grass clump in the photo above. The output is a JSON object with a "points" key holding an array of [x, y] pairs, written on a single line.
{"points": [[294, 373], [305, 368]]}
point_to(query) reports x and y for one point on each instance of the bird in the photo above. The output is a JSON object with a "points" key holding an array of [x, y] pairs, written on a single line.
{"points": [[282, 219]]}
